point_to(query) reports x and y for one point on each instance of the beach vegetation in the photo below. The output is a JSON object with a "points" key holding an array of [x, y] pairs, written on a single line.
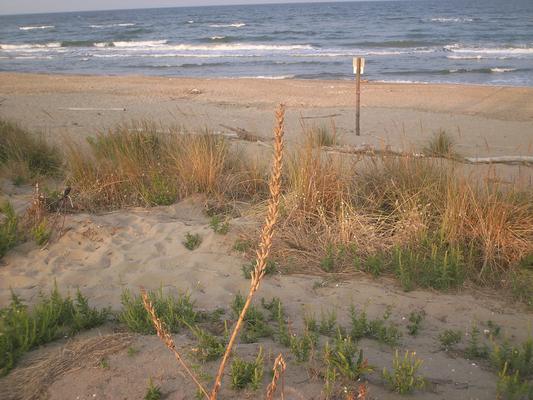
{"points": [[380, 329], [9, 228], [255, 325], [449, 338], [192, 241], [208, 347], [219, 225], [175, 312], [441, 145], [246, 374], [271, 268], [52, 317], [346, 359], [404, 378], [153, 392], [415, 322], [25, 156], [41, 232]]}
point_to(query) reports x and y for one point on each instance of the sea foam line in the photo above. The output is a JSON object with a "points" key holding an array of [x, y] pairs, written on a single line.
{"points": [[31, 28], [234, 25]]}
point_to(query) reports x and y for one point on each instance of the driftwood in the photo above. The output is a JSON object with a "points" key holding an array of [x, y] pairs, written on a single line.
{"points": [[243, 134], [92, 109], [500, 160], [322, 116], [367, 149]]}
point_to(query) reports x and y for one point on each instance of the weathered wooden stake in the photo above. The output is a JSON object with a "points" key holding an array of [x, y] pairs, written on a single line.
{"points": [[358, 97]]}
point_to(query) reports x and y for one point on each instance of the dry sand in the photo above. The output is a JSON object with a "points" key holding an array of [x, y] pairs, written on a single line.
{"points": [[103, 254]]}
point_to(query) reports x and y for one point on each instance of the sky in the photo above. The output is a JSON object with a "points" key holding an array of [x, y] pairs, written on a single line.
{"points": [[43, 6]]}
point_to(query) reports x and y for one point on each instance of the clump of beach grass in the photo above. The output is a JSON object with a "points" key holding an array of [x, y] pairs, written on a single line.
{"points": [[441, 145], [25, 156], [141, 165]]}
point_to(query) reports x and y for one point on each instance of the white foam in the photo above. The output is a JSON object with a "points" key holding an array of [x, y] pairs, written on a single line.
{"points": [[111, 25], [234, 25], [145, 43], [271, 77], [33, 57], [29, 46], [217, 37], [502, 69], [451, 19], [478, 57], [31, 28], [455, 48]]}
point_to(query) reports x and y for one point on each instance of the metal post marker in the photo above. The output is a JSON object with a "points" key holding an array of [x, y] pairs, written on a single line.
{"points": [[359, 69]]}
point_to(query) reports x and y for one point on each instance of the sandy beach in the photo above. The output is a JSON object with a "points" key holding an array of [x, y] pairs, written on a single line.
{"points": [[485, 120], [103, 253]]}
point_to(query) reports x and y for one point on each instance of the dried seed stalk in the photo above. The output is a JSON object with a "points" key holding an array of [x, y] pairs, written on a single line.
{"points": [[265, 243]]}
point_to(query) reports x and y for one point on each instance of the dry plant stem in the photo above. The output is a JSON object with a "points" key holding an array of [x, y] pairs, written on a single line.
{"points": [[167, 339], [279, 369], [265, 242]]}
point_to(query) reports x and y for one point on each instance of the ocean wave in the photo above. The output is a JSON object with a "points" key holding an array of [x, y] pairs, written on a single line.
{"points": [[455, 48], [234, 25], [112, 25], [27, 46], [31, 28], [451, 19], [144, 43], [270, 77], [217, 37], [33, 57], [503, 69]]}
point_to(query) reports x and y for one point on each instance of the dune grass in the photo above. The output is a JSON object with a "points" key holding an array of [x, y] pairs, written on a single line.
{"points": [[140, 165], [418, 219], [25, 156]]}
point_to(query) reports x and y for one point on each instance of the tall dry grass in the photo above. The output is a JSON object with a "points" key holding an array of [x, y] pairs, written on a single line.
{"points": [[25, 156], [141, 165], [342, 212]]}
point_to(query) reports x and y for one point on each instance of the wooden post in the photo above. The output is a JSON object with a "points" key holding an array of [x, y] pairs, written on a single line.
{"points": [[358, 96]]}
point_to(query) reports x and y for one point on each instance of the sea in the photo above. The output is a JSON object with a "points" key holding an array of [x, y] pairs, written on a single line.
{"points": [[487, 42]]}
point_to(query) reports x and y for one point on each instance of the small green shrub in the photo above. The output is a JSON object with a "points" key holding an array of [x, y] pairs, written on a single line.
{"points": [[132, 351], [277, 313], [153, 392], [219, 225], [247, 374], [9, 235], [429, 263], [512, 387], [255, 326], [475, 348], [403, 378], [242, 245], [209, 347], [377, 329], [53, 317], [375, 264], [415, 322], [449, 338], [301, 346], [328, 323], [345, 359], [158, 189], [514, 359], [41, 233], [192, 241], [174, 312]]}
